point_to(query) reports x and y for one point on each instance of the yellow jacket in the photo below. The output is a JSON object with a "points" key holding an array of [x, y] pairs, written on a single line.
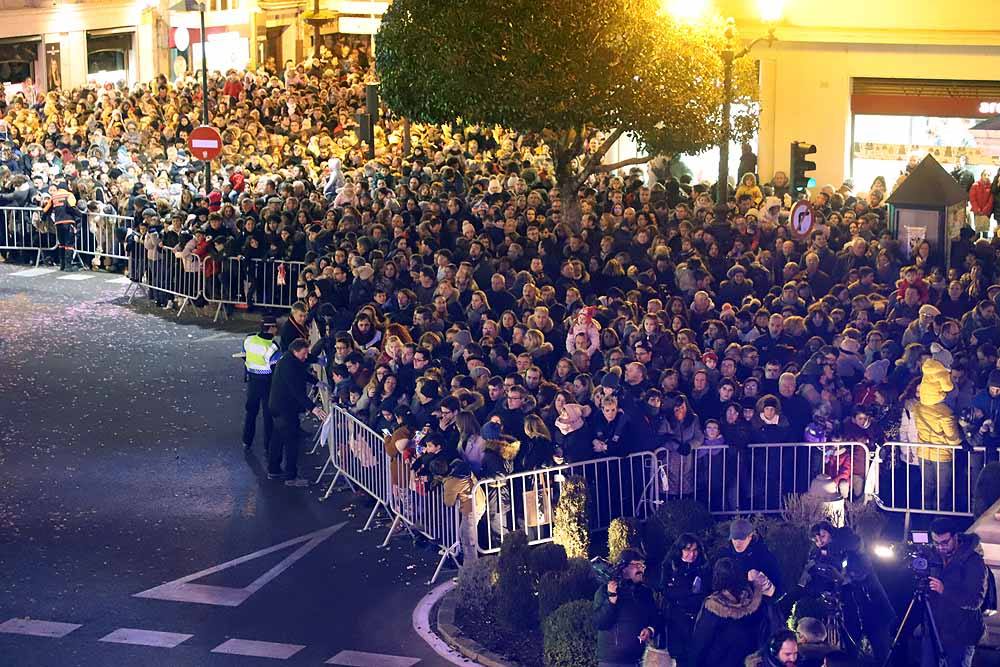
{"points": [[936, 425]]}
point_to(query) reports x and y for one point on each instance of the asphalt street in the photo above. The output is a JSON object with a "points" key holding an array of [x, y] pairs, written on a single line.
{"points": [[121, 469]]}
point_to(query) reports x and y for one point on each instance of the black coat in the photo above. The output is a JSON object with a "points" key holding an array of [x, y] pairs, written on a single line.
{"points": [[957, 611], [618, 625], [729, 628], [757, 557], [289, 387]]}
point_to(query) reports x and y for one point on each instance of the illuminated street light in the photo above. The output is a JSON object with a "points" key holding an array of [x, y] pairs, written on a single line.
{"points": [[687, 11]]}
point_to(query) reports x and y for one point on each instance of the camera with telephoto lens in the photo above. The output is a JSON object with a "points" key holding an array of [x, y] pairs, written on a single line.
{"points": [[921, 559]]}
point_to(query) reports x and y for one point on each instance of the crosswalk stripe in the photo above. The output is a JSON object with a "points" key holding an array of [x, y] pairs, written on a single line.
{"points": [[31, 273], [77, 276], [35, 628], [120, 280], [362, 659], [145, 637], [258, 649]]}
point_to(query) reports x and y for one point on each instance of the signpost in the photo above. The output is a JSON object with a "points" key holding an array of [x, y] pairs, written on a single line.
{"points": [[802, 219], [205, 143]]}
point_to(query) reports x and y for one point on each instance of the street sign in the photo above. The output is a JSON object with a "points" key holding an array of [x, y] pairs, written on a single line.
{"points": [[802, 219], [205, 142]]}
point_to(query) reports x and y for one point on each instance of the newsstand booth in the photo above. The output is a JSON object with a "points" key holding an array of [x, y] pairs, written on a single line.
{"points": [[928, 204]]}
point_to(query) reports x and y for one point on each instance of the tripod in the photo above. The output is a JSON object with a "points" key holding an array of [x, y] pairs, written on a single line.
{"points": [[839, 635], [921, 605]]}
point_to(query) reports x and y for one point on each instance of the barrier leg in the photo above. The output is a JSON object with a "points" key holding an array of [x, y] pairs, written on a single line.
{"points": [[323, 471], [446, 553], [184, 304], [218, 310], [392, 529], [371, 517], [38, 257]]}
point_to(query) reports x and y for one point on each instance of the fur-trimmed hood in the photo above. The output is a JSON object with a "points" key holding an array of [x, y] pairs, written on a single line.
{"points": [[507, 449], [724, 605]]}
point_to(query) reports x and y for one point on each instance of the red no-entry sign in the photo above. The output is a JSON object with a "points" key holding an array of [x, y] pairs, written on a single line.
{"points": [[205, 142]]}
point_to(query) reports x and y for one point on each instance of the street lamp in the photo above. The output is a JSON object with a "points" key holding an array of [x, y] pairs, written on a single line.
{"points": [[770, 11]]}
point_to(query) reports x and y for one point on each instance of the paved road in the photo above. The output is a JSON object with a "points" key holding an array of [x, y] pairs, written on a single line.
{"points": [[121, 469]]}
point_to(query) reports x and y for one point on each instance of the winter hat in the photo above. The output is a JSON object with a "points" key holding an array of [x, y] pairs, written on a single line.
{"points": [[462, 337], [850, 345], [629, 555], [610, 380], [734, 269], [941, 354], [740, 529], [994, 380], [877, 371], [928, 309], [571, 420], [490, 431], [478, 372], [430, 389]]}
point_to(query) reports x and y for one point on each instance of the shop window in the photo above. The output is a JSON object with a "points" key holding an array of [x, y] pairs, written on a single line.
{"points": [[100, 62]]}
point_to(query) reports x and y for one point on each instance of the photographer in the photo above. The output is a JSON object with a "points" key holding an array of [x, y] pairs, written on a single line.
{"points": [[956, 595], [838, 567], [625, 614]]}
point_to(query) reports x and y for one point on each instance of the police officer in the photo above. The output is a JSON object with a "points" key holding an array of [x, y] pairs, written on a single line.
{"points": [[261, 353], [288, 399]]}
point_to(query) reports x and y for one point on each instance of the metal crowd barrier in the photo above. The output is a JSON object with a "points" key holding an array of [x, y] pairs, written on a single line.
{"points": [[102, 235], [756, 479], [929, 479], [169, 273], [22, 229], [269, 283]]}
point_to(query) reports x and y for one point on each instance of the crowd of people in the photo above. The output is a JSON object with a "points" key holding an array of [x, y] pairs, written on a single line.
{"points": [[487, 327], [732, 612]]}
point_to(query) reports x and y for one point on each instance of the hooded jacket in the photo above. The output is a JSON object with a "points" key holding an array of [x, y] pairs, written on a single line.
{"points": [[729, 628], [936, 425]]}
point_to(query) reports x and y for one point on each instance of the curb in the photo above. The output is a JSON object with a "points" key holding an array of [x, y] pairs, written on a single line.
{"points": [[467, 646]]}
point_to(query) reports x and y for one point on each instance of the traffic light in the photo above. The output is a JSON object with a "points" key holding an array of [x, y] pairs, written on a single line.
{"points": [[801, 166]]}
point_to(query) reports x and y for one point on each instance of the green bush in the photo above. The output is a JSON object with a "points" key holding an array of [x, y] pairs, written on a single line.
{"points": [[477, 588], [623, 534], [866, 520], [790, 545], [570, 637], [570, 521], [516, 608], [576, 582], [987, 489], [802, 510], [670, 520], [547, 557]]}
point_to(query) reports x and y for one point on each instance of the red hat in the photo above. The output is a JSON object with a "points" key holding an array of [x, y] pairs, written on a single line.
{"points": [[214, 201], [710, 355]]}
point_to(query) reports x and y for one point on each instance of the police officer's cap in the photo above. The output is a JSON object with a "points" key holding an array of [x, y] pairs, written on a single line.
{"points": [[269, 321]]}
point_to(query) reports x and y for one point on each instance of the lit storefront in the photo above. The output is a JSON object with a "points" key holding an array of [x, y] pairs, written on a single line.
{"points": [[896, 120]]}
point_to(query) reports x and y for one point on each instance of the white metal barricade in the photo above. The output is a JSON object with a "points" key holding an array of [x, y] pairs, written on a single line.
{"points": [[757, 478], [617, 487], [272, 283], [929, 479], [169, 273], [229, 284], [22, 229], [357, 454], [102, 237]]}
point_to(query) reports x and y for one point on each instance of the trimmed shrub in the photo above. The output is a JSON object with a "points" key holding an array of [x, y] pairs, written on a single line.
{"points": [[547, 557], [577, 581], [987, 489], [790, 545], [477, 588], [803, 510], [516, 608], [570, 527], [670, 520], [623, 534], [570, 637]]}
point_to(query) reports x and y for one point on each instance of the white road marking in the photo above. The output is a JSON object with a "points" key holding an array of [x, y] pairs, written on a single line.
{"points": [[28, 626], [421, 620], [362, 659], [258, 649], [31, 273], [180, 590], [120, 280], [145, 637], [77, 276]]}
